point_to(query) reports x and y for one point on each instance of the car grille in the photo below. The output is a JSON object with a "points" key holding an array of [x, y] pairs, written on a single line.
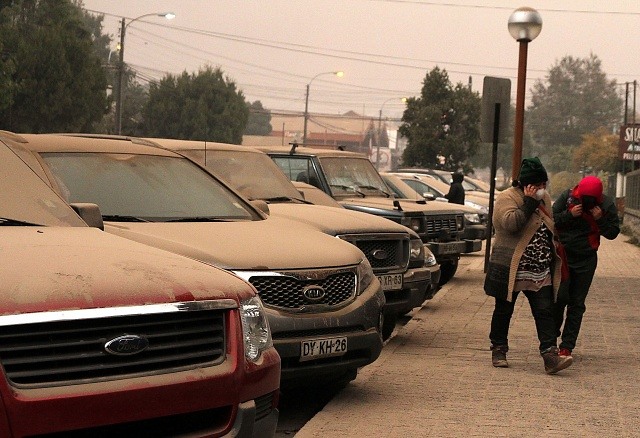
{"points": [[383, 254], [288, 291], [439, 224], [60, 352]]}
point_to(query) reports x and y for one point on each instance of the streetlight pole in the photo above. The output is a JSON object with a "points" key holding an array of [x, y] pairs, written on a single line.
{"points": [[306, 101], [524, 26], [123, 29], [404, 99]]}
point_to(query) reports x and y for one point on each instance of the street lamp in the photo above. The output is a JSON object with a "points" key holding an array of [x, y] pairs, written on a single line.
{"points": [[123, 29], [306, 101], [524, 25], [403, 100]]}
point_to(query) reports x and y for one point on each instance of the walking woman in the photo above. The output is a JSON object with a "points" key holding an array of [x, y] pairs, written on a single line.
{"points": [[523, 259]]}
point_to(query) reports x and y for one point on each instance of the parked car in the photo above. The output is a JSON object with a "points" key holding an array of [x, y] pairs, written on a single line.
{"points": [[102, 336], [322, 299], [471, 185], [407, 186], [395, 252], [352, 180]]}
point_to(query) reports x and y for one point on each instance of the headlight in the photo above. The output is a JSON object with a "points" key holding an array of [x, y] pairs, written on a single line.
{"points": [[365, 275], [417, 249], [481, 208], [255, 328], [429, 258], [473, 218], [415, 223]]}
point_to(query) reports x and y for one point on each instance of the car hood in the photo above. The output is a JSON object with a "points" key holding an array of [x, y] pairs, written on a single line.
{"points": [[432, 207], [270, 244], [335, 221], [65, 268]]}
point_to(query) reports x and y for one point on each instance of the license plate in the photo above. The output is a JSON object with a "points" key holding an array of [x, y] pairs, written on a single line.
{"points": [[391, 282], [319, 348], [449, 248]]}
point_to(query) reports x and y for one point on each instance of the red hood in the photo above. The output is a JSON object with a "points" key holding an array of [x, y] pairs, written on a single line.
{"points": [[589, 186]]}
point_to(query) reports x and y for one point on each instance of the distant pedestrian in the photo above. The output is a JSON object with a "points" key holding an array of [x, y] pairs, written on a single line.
{"points": [[582, 215], [523, 259], [456, 190]]}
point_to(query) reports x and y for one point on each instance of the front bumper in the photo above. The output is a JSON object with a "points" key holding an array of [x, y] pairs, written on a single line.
{"points": [[248, 425], [416, 283], [455, 247], [359, 322], [472, 232]]}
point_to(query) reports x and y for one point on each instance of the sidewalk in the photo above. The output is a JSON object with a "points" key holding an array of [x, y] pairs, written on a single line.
{"points": [[435, 379]]}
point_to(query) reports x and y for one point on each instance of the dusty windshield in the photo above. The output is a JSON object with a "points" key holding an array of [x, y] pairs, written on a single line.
{"points": [[144, 187], [255, 175], [349, 176], [26, 199]]}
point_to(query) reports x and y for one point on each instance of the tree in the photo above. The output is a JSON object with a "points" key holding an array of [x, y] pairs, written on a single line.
{"points": [[575, 99], [442, 125], [259, 120], [203, 106], [599, 150], [52, 79]]}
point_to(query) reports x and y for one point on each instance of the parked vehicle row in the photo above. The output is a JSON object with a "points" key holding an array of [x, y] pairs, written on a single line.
{"points": [[352, 180]]}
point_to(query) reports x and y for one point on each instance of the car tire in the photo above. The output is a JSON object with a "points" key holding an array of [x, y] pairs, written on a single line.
{"points": [[388, 325], [447, 271]]}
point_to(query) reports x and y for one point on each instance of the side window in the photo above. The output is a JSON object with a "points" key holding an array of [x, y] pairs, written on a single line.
{"points": [[298, 169]]}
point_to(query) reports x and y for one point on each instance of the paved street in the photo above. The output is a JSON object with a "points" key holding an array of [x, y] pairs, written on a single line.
{"points": [[435, 379]]}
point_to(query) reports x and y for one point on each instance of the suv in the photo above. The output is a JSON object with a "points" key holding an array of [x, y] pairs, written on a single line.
{"points": [[322, 299], [395, 252], [351, 179], [102, 336]]}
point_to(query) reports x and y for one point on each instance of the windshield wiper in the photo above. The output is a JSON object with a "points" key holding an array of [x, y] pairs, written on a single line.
{"points": [[119, 218], [377, 189], [200, 219], [15, 222], [348, 189], [285, 199]]}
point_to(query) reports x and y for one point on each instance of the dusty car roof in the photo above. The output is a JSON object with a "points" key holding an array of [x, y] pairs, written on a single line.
{"points": [[197, 145], [84, 143], [304, 150]]}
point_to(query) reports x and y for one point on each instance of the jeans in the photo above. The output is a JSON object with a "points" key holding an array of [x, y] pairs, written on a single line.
{"points": [[572, 297], [541, 303]]}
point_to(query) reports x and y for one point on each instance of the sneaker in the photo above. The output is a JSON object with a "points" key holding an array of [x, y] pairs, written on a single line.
{"points": [[499, 356], [564, 352], [553, 362]]}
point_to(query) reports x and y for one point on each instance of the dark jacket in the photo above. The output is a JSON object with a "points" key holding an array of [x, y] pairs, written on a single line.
{"points": [[579, 237], [456, 191]]}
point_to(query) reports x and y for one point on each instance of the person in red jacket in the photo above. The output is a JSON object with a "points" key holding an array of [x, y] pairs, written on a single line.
{"points": [[581, 216]]}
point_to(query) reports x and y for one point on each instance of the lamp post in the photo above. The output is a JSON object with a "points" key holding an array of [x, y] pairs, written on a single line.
{"points": [[306, 101], [524, 26], [403, 100], [123, 29]]}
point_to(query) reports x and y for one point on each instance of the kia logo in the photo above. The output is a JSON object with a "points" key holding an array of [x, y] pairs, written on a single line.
{"points": [[313, 294], [379, 254], [126, 345]]}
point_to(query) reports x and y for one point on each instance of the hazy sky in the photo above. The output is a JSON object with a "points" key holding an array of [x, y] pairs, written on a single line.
{"points": [[273, 48]]}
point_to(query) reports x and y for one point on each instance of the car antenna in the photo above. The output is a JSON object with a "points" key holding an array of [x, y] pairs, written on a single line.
{"points": [[294, 145]]}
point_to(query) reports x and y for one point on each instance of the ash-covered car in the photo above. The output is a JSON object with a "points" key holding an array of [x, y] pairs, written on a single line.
{"points": [[396, 253], [324, 303], [102, 336], [351, 179]]}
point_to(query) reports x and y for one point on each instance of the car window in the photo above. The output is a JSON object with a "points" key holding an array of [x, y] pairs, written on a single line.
{"points": [[299, 169], [150, 187], [421, 187], [25, 197], [345, 175], [255, 175]]}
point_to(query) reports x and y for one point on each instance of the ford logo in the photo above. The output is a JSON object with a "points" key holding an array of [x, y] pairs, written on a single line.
{"points": [[313, 294], [379, 254], [126, 345]]}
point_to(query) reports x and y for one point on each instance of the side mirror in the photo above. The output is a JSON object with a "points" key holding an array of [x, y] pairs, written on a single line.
{"points": [[90, 213], [429, 196], [260, 205]]}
